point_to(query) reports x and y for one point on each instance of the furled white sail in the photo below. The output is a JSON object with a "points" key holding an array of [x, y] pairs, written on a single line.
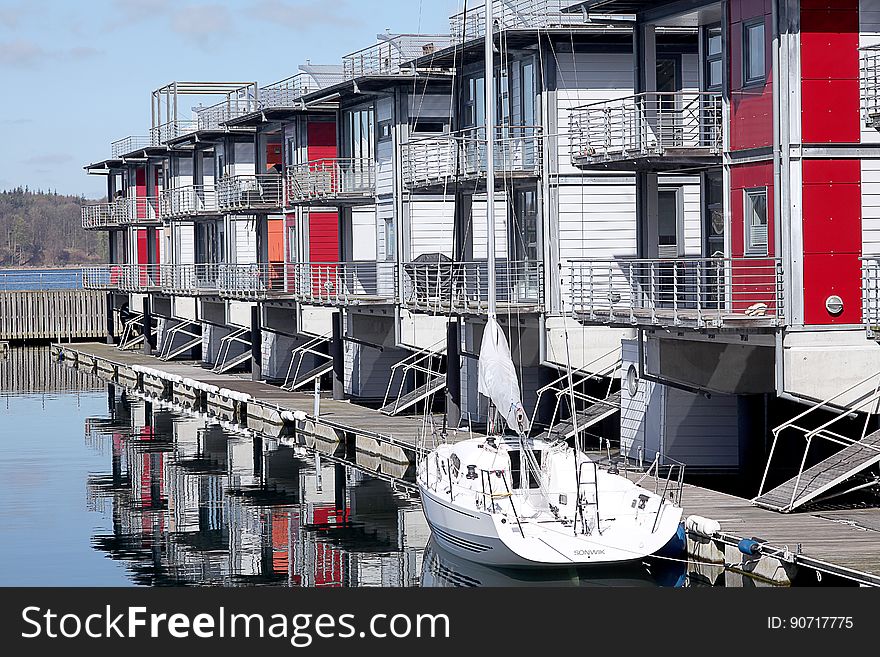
{"points": [[497, 377]]}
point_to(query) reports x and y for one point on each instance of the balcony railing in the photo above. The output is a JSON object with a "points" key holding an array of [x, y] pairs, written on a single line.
{"points": [[694, 292], [188, 201], [514, 14], [143, 211], [287, 92], [101, 216], [324, 283], [871, 292], [123, 277], [214, 116], [130, 144], [463, 155], [251, 193], [331, 179], [443, 286], [165, 132], [870, 85], [192, 279], [389, 56], [646, 125]]}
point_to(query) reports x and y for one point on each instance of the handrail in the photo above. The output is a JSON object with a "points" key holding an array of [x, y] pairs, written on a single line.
{"points": [[423, 354]]}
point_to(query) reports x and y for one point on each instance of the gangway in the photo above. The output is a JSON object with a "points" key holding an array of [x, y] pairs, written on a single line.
{"points": [[225, 362], [298, 354], [190, 331], [420, 362]]}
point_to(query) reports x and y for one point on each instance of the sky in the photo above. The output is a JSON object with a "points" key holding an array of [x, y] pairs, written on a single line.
{"points": [[77, 75]]}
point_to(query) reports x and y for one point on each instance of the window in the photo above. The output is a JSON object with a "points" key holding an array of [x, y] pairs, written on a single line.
{"points": [[714, 60], [668, 223], [755, 217], [390, 240], [385, 130], [753, 52], [527, 92], [359, 142], [422, 126]]}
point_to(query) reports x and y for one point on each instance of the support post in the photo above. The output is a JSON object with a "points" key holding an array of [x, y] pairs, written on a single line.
{"points": [[256, 343], [111, 338], [148, 324], [338, 354], [453, 375]]}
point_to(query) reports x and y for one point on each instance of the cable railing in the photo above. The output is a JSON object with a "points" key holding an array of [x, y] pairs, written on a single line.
{"points": [[514, 14], [130, 144], [251, 192], [698, 292], [99, 216], [441, 286], [389, 56], [140, 211], [188, 201], [654, 123], [287, 92], [165, 132], [236, 104], [191, 279], [870, 84], [331, 178], [345, 283], [463, 155]]}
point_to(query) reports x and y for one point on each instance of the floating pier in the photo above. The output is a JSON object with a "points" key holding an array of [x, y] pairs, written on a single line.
{"points": [[739, 537]]}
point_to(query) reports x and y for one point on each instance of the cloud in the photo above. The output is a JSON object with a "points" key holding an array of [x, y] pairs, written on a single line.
{"points": [[205, 25], [48, 158], [18, 121], [304, 15], [131, 13], [28, 54], [11, 16]]}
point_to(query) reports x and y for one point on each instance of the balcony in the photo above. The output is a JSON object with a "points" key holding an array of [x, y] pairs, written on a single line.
{"points": [[320, 284], [870, 85], [441, 286], [462, 156], [246, 194], [649, 131], [717, 293], [214, 116], [165, 132], [188, 202], [285, 93], [121, 212], [130, 144], [203, 279], [389, 56], [123, 277], [515, 15], [332, 181]]}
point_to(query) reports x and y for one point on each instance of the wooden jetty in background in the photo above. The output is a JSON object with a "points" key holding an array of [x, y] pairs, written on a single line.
{"points": [[843, 543]]}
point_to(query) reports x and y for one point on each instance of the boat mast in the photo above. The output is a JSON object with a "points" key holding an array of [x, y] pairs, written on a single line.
{"points": [[489, 89]]}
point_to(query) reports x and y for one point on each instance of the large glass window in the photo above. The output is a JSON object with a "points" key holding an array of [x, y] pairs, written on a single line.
{"points": [[668, 221], [714, 59], [755, 217], [753, 52], [360, 142], [527, 73], [714, 215]]}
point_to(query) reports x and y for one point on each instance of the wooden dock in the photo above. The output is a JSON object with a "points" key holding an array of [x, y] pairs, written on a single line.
{"points": [[844, 543], [53, 314]]}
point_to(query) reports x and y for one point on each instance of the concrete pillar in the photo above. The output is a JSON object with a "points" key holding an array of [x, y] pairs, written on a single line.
{"points": [[453, 375], [338, 353], [148, 322], [111, 338], [339, 488], [256, 344]]}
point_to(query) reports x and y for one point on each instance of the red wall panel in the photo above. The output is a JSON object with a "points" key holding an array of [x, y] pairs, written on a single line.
{"points": [[751, 107], [323, 237], [832, 219], [321, 140]]}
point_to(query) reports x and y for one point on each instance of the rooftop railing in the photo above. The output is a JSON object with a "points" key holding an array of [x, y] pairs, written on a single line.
{"points": [[214, 116], [870, 84], [694, 292], [440, 286], [512, 15], [334, 179], [463, 155], [165, 132], [251, 193], [389, 56], [647, 124], [188, 201], [287, 92], [130, 144]]}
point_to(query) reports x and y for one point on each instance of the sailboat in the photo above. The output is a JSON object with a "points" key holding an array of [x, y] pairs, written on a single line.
{"points": [[515, 501]]}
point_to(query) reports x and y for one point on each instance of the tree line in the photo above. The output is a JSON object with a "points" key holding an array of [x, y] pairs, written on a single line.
{"points": [[44, 229]]}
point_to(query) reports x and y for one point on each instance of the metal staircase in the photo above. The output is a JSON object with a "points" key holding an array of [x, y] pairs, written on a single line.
{"points": [[427, 362], [589, 410], [225, 362], [133, 333], [298, 354], [815, 483], [191, 332]]}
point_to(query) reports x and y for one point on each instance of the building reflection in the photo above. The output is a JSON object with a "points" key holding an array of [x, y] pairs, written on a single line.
{"points": [[193, 504]]}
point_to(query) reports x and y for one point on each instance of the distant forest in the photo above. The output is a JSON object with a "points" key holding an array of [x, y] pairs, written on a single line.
{"points": [[44, 229]]}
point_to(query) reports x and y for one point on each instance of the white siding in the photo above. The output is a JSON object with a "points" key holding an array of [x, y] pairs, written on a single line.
{"points": [[432, 224], [363, 234], [384, 212], [690, 73], [587, 78], [185, 243], [479, 226], [701, 432], [245, 241], [244, 159]]}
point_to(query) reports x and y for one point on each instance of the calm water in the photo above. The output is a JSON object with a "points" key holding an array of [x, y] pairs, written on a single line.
{"points": [[40, 279], [99, 489]]}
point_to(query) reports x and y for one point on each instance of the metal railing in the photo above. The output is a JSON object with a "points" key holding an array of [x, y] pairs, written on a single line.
{"points": [[123, 277], [446, 286], [236, 104], [252, 192], [287, 92], [30, 280], [514, 14], [188, 201], [682, 291], [647, 124], [169, 130], [463, 154], [121, 212], [331, 178], [345, 283], [98, 216], [191, 279], [870, 84], [389, 55], [255, 280], [871, 291], [130, 144]]}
